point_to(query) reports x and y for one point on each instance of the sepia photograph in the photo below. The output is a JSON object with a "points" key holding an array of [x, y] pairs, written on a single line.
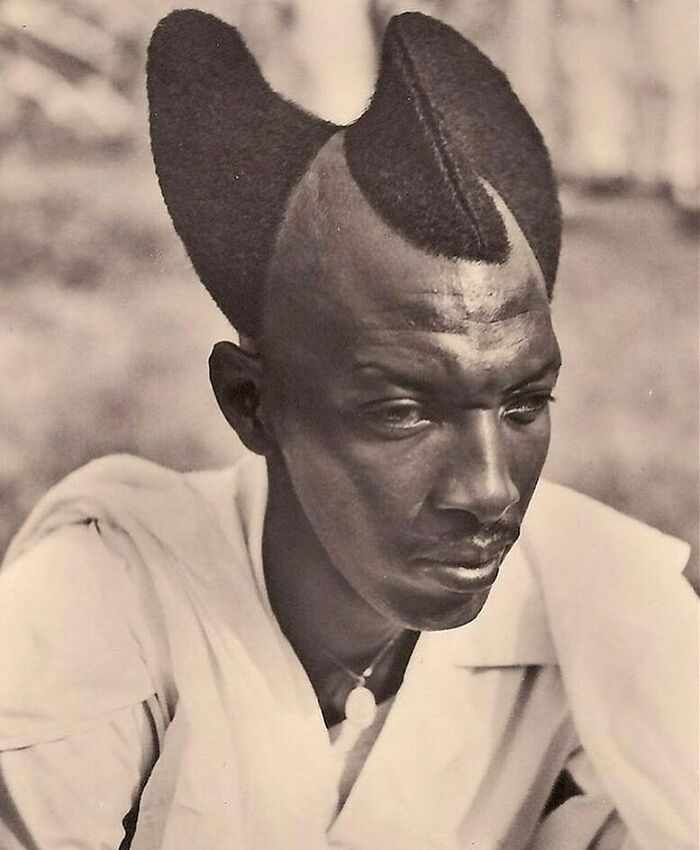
{"points": [[349, 425]]}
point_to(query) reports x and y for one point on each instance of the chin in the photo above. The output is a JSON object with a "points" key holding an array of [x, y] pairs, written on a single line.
{"points": [[447, 615]]}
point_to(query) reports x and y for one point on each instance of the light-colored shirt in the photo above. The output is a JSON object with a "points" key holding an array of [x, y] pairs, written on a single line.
{"points": [[351, 747], [145, 653]]}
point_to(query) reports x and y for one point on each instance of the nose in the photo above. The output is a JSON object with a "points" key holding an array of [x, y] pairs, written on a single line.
{"points": [[476, 475]]}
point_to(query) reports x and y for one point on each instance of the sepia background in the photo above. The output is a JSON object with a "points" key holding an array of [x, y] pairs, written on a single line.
{"points": [[104, 331]]}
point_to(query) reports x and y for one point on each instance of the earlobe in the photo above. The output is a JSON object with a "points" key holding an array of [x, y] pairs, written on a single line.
{"points": [[236, 378]]}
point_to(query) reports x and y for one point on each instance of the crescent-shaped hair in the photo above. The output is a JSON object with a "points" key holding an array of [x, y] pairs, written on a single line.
{"points": [[228, 151], [442, 117]]}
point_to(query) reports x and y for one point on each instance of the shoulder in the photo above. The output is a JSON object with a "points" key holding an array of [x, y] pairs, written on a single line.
{"points": [[125, 490], [67, 629], [87, 586], [608, 583], [623, 623], [572, 528]]}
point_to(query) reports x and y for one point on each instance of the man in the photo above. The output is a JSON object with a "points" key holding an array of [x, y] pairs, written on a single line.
{"points": [[233, 660]]}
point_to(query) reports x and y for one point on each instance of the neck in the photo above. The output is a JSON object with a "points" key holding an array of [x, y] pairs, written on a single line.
{"points": [[318, 611]]}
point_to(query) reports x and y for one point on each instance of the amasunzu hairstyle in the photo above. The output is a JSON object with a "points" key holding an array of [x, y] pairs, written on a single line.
{"points": [[228, 152]]}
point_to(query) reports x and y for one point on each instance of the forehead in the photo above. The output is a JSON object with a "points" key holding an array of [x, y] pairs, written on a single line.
{"points": [[401, 289], [343, 276]]}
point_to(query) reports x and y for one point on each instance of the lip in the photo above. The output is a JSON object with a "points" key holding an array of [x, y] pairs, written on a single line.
{"points": [[470, 552], [463, 576]]}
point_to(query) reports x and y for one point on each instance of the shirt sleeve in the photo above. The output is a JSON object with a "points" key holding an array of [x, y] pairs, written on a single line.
{"points": [[77, 793], [69, 630], [79, 720]]}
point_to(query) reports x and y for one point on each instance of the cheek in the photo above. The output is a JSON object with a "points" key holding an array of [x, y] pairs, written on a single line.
{"points": [[376, 487], [353, 491], [527, 453]]}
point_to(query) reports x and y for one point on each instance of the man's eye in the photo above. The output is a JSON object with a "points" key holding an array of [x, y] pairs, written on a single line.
{"points": [[524, 410], [398, 416]]}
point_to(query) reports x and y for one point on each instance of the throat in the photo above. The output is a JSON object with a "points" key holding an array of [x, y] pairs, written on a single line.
{"points": [[345, 695]]}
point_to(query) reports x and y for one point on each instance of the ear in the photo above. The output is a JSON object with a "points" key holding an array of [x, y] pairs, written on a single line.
{"points": [[236, 378]]}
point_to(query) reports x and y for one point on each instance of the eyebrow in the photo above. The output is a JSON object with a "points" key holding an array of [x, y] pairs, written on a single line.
{"points": [[552, 365], [431, 373], [396, 374]]}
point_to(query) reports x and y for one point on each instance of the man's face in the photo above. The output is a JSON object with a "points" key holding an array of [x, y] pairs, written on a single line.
{"points": [[408, 402]]}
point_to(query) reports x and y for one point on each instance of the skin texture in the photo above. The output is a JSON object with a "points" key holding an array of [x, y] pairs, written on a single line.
{"points": [[401, 401]]}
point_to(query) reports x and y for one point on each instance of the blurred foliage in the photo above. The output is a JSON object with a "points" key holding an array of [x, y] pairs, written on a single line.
{"points": [[104, 332], [626, 312], [67, 75]]}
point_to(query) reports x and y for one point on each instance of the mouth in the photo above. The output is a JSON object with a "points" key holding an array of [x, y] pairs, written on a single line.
{"points": [[468, 574]]}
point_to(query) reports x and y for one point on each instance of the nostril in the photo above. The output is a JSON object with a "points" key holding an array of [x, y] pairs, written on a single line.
{"points": [[483, 492], [486, 504]]}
